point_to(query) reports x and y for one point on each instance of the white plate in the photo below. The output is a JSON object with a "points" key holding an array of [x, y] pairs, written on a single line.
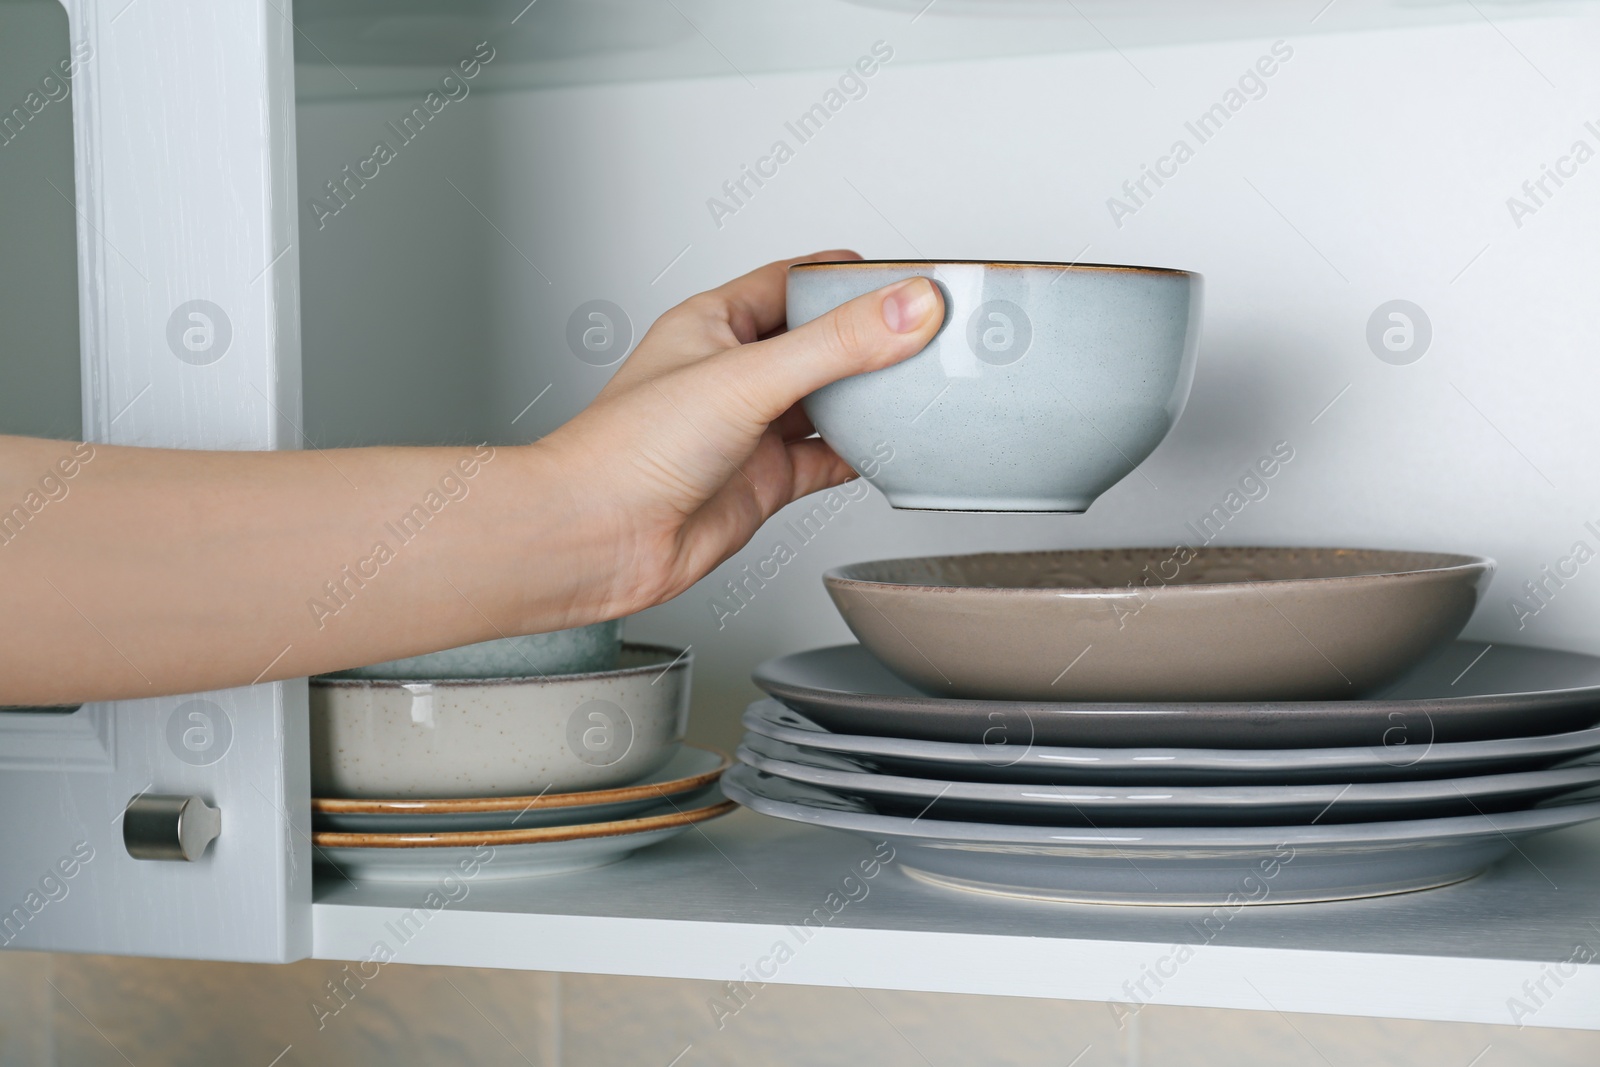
{"points": [[1207, 866], [1152, 804], [1049, 764], [685, 779], [500, 854]]}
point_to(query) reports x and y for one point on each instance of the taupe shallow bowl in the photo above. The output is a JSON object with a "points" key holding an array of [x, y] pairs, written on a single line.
{"points": [[1159, 624]]}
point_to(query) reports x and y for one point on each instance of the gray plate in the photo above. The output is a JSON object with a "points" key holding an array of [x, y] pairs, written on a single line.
{"points": [[1056, 765], [1203, 866], [1162, 805], [506, 861], [1511, 691]]}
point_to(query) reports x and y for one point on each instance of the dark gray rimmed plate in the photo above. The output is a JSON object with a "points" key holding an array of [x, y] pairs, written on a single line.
{"points": [[1061, 765], [1153, 804], [1223, 866], [1468, 692]]}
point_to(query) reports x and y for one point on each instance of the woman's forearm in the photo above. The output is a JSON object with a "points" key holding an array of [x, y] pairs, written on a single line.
{"points": [[128, 571]]}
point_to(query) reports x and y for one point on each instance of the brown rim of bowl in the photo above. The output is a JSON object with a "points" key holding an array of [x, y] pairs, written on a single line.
{"points": [[680, 657], [584, 799], [1015, 264], [1459, 562], [531, 836]]}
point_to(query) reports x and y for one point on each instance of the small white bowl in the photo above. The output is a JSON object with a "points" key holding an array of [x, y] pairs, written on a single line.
{"points": [[499, 736], [1046, 385]]}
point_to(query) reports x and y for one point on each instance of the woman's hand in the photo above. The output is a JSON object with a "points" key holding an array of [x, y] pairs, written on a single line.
{"points": [[699, 438]]}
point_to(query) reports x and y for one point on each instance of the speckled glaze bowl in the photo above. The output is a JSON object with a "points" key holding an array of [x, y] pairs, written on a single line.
{"points": [[1047, 384], [582, 649], [1159, 624], [499, 736]]}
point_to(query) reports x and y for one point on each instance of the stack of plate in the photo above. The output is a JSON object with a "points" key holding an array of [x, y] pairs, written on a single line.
{"points": [[1427, 780], [514, 763]]}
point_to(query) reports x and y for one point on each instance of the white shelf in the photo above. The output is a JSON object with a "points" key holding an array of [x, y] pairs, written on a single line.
{"points": [[713, 905], [355, 48]]}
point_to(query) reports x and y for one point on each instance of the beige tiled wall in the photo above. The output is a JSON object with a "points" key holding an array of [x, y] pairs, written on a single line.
{"points": [[88, 1011]]}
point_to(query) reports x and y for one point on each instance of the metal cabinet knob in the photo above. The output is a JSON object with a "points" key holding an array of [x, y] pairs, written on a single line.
{"points": [[169, 828]]}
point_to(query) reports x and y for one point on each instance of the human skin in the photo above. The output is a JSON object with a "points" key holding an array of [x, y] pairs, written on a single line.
{"points": [[159, 571]]}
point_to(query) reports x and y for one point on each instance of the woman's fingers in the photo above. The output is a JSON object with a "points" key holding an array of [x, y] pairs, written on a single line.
{"points": [[816, 467], [757, 383], [733, 514], [746, 309], [795, 424], [722, 406], [756, 301]]}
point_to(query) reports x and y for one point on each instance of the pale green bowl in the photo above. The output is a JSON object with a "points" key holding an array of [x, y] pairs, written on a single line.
{"points": [[577, 651]]}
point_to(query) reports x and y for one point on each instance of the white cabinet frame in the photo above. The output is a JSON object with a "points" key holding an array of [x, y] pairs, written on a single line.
{"points": [[188, 277]]}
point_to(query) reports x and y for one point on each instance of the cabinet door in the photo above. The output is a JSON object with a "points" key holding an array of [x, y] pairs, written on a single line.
{"points": [[189, 314]]}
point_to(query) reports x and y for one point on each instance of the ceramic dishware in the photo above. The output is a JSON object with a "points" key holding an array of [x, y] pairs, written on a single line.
{"points": [[582, 649], [1210, 866], [499, 736], [1214, 623], [1150, 804], [1060, 765], [1465, 693], [1046, 385], [500, 854], [688, 776]]}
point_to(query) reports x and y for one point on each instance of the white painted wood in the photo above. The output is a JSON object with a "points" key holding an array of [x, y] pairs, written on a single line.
{"points": [[84, 740], [715, 906], [184, 132], [602, 42]]}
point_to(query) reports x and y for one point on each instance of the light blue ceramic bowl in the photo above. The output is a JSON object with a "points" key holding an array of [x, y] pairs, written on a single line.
{"points": [[1047, 384], [576, 651]]}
